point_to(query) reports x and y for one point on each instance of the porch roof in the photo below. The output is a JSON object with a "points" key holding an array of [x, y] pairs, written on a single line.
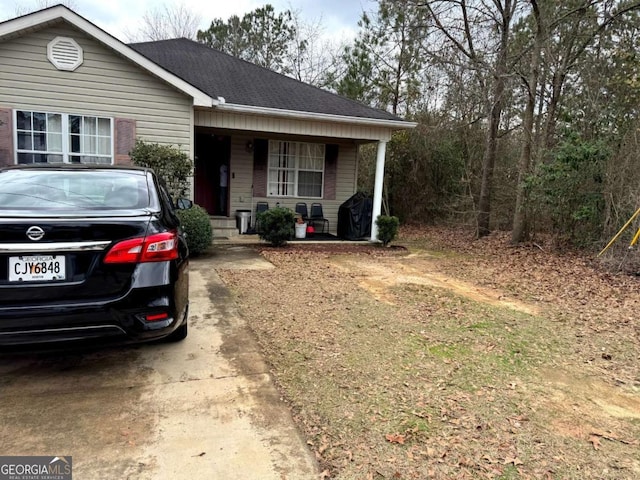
{"points": [[240, 83]]}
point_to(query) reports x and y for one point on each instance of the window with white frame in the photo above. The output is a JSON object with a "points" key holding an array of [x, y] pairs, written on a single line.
{"points": [[43, 137], [39, 137], [296, 169]]}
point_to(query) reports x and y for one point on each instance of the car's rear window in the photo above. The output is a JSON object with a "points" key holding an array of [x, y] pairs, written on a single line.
{"points": [[69, 190]]}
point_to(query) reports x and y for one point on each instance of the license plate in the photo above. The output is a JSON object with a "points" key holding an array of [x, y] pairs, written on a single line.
{"points": [[36, 268]]}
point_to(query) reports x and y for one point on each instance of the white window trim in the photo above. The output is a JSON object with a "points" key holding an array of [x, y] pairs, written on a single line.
{"points": [[96, 136], [32, 151], [66, 136], [296, 170]]}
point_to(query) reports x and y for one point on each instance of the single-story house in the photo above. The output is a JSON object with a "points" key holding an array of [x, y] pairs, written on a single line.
{"points": [[71, 92]]}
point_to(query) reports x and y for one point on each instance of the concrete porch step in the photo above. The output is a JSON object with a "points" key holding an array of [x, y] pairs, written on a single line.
{"points": [[223, 227]]}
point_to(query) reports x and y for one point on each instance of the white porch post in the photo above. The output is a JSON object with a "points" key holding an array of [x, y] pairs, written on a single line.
{"points": [[377, 192]]}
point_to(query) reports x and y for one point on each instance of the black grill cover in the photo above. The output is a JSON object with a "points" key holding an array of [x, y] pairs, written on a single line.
{"points": [[354, 218]]}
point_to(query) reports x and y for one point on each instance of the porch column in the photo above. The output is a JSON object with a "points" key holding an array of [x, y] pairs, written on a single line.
{"points": [[377, 192]]}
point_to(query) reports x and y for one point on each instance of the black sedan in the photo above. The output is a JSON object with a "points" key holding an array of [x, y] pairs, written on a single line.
{"points": [[87, 253]]}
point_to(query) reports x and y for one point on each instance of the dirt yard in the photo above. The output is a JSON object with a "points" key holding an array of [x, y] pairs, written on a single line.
{"points": [[446, 357]]}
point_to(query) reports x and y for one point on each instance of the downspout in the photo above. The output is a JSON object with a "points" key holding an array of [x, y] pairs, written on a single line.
{"points": [[377, 191]]}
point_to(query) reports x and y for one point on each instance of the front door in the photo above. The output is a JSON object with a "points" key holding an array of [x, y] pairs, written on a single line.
{"points": [[211, 177]]}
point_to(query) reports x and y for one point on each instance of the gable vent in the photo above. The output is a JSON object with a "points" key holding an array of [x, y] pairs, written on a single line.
{"points": [[64, 53]]}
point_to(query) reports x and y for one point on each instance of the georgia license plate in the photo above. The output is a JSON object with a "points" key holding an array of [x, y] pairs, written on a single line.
{"points": [[36, 268]]}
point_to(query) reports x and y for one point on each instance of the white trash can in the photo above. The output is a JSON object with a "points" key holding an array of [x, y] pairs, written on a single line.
{"points": [[243, 220], [301, 230]]}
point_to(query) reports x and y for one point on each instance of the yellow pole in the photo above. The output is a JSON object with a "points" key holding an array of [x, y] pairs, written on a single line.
{"points": [[635, 239], [633, 217]]}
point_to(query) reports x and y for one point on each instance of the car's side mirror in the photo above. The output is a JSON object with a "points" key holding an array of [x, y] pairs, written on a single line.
{"points": [[184, 204]]}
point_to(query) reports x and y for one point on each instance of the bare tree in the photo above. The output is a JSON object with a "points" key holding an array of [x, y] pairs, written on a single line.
{"points": [[41, 4], [164, 22], [530, 80], [311, 57], [481, 32]]}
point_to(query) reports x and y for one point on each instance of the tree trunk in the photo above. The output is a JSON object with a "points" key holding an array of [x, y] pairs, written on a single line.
{"points": [[552, 109], [489, 160], [491, 147], [520, 219]]}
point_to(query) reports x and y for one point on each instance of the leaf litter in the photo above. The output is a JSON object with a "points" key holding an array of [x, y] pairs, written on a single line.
{"points": [[448, 357]]}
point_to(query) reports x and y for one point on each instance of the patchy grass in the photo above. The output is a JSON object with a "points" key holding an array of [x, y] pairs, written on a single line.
{"points": [[452, 359]]}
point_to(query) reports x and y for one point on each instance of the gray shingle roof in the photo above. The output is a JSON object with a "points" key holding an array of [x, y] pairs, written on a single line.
{"points": [[239, 82]]}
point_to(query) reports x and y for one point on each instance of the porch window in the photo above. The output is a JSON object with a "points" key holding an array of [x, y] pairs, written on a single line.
{"points": [[296, 169], [43, 137]]}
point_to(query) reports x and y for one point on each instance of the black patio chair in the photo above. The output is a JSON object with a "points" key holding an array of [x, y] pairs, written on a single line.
{"points": [[317, 216], [260, 207], [301, 209]]}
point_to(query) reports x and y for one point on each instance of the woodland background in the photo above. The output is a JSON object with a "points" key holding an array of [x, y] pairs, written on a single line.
{"points": [[527, 110]]}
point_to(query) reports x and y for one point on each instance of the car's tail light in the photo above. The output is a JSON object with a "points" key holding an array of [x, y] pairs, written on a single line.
{"points": [[156, 317], [159, 247]]}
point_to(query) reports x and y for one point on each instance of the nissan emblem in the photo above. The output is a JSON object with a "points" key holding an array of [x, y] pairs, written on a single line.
{"points": [[35, 233]]}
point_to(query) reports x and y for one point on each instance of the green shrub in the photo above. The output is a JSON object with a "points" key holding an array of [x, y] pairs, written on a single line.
{"points": [[569, 190], [387, 229], [170, 164], [196, 225], [276, 225]]}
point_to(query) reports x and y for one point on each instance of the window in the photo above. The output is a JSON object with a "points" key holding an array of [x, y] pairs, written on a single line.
{"points": [[55, 137], [90, 139], [39, 137], [296, 169], [72, 191]]}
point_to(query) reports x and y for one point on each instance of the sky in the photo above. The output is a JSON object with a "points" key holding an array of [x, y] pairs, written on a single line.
{"points": [[338, 17]]}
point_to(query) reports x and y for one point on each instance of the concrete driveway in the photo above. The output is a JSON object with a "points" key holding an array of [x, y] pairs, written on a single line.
{"points": [[204, 408]]}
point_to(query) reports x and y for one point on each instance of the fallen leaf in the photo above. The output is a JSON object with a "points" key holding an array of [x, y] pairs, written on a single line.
{"points": [[595, 441], [324, 445], [614, 438], [395, 438]]}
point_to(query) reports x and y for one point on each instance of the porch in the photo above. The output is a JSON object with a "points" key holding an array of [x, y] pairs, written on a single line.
{"points": [[281, 160], [234, 170], [225, 232]]}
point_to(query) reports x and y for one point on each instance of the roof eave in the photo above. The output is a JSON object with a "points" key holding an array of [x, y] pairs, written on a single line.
{"points": [[323, 117], [200, 99]]}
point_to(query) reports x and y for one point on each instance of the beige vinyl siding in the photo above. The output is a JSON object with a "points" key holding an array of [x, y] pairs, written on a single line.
{"points": [[345, 181], [234, 121], [240, 174], [346, 178], [106, 84]]}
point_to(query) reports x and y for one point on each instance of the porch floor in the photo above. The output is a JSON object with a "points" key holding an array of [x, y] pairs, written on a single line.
{"points": [[225, 232], [254, 239]]}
